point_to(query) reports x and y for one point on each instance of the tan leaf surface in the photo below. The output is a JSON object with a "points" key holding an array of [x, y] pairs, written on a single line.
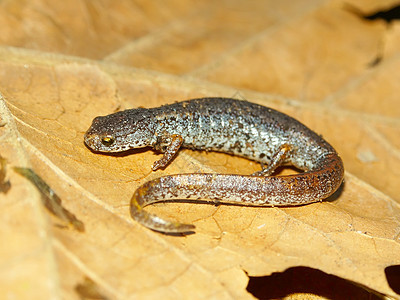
{"points": [[64, 63]]}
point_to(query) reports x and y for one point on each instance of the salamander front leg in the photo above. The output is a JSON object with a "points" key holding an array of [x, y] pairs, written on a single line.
{"points": [[277, 159], [169, 150]]}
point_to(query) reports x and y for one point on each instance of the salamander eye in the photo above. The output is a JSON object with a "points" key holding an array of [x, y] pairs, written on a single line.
{"points": [[107, 140]]}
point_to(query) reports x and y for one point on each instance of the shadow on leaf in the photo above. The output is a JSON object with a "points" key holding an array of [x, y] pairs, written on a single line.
{"points": [[393, 277], [304, 280]]}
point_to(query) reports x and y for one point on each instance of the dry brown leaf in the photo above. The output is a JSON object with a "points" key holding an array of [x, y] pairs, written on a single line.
{"points": [[311, 59]]}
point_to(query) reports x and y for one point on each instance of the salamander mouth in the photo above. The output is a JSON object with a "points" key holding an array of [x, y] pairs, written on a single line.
{"points": [[90, 141]]}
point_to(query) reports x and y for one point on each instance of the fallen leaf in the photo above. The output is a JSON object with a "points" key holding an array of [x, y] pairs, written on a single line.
{"points": [[50, 199], [5, 184], [89, 290], [310, 59]]}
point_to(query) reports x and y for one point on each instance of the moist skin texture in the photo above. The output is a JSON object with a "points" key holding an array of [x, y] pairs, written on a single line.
{"points": [[226, 125]]}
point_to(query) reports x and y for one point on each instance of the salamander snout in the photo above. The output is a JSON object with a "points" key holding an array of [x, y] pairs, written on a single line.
{"points": [[100, 137], [119, 132], [99, 142]]}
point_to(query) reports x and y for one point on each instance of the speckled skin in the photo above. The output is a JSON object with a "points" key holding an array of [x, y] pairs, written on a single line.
{"points": [[226, 125]]}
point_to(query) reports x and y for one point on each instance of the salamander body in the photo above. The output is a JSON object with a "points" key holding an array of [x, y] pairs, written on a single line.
{"points": [[226, 125]]}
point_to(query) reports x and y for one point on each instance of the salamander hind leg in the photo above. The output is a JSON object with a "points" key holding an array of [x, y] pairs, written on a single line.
{"points": [[277, 159], [169, 150]]}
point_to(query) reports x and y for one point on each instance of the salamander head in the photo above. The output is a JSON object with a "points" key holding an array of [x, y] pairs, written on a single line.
{"points": [[121, 131]]}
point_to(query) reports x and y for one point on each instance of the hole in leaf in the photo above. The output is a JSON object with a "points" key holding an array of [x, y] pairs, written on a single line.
{"points": [[304, 280], [387, 15]]}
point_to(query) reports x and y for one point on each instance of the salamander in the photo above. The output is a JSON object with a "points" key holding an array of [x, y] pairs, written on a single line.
{"points": [[226, 125]]}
